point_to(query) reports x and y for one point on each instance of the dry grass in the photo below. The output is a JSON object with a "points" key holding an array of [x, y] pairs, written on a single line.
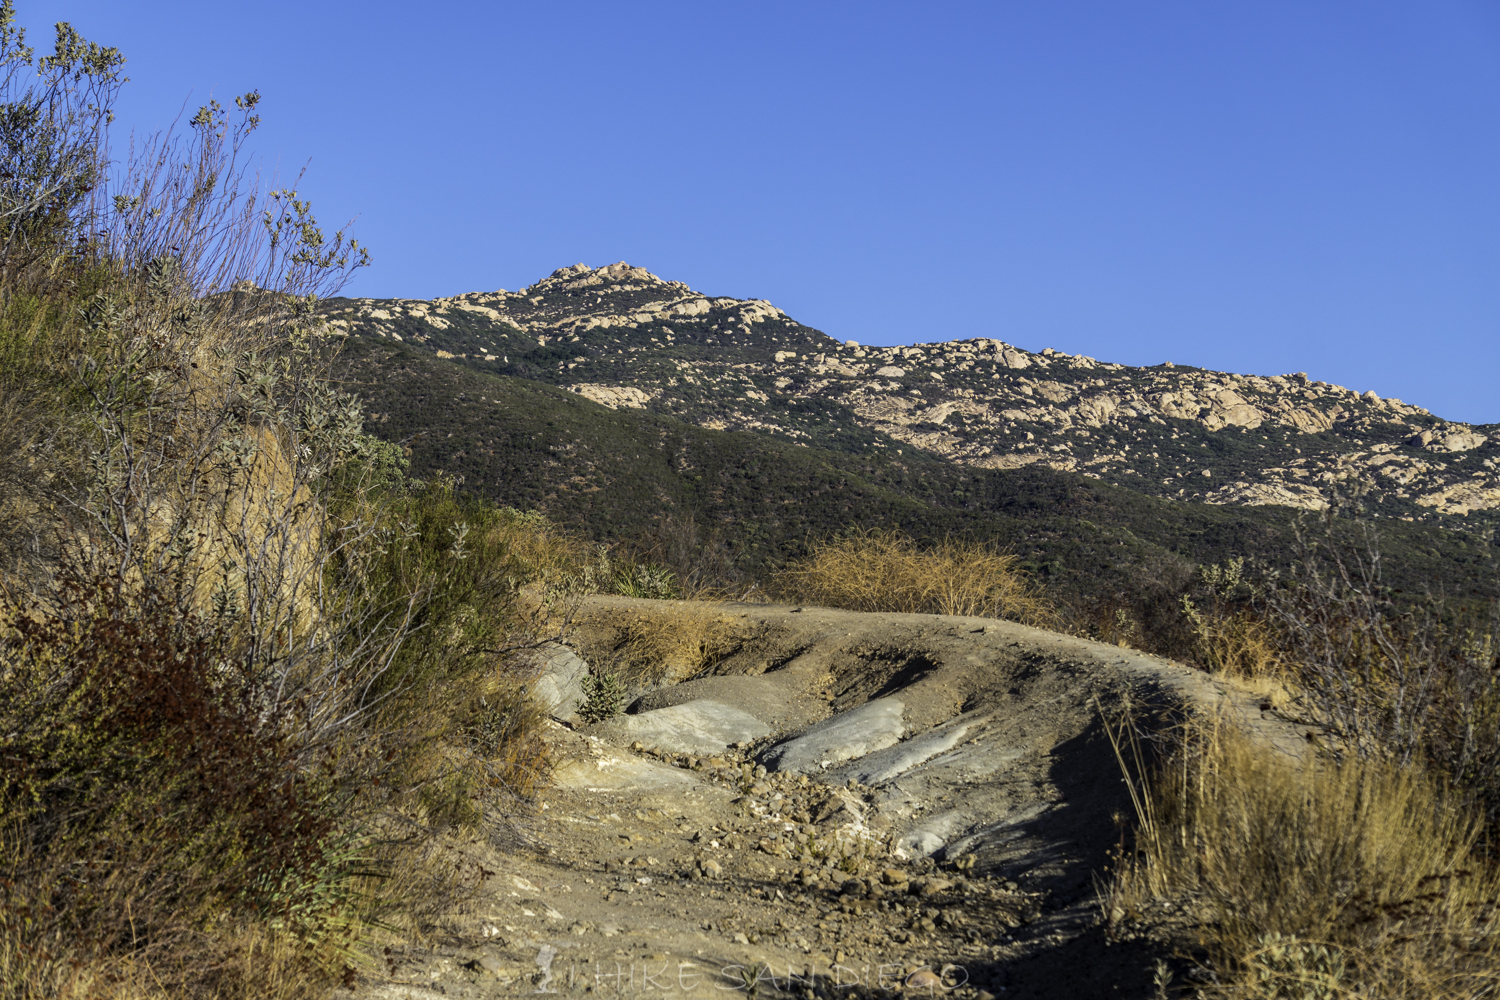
{"points": [[673, 640], [1241, 648], [887, 571], [1314, 878]]}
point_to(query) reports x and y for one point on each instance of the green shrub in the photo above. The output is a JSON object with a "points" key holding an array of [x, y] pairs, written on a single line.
{"points": [[603, 697]]}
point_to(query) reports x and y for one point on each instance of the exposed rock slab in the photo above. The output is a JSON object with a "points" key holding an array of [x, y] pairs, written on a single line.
{"points": [[558, 689], [698, 727], [883, 765], [777, 699], [610, 772], [874, 725]]}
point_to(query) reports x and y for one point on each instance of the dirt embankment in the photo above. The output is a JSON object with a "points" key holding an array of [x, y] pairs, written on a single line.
{"points": [[843, 802]]}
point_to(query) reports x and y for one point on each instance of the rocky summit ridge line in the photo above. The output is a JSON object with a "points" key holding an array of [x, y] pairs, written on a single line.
{"points": [[625, 338]]}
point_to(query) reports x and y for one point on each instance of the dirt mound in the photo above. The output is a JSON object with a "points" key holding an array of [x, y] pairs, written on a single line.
{"points": [[935, 793]]}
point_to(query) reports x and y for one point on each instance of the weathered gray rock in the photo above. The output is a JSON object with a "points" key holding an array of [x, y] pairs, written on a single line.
{"points": [[558, 688], [875, 725], [769, 697], [883, 765], [701, 727]]}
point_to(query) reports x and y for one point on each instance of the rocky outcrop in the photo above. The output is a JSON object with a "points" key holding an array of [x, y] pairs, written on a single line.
{"points": [[613, 396], [623, 337]]}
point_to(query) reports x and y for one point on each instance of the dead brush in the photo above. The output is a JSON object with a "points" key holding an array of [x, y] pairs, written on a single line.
{"points": [[672, 640], [874, 570], [1310, 878]]}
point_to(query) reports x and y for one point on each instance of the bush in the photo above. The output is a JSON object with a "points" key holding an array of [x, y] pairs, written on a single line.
{"points": [[603, 697], [1401, 677], [229, 627], [886, 571], [671, 640], [148, 795], [458, 590]]}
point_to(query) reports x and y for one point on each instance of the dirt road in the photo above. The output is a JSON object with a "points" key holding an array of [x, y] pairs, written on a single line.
{"points": [[850, 805]]}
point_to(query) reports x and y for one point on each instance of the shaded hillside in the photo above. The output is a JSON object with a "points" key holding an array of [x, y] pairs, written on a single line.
{"points": [[625, 338], [616, 473]]}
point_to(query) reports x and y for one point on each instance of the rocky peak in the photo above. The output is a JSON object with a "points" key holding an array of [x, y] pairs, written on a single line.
{"points": [[622, 336]]}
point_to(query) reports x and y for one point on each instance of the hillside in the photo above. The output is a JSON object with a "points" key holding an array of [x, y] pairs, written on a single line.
{"points": [[629, 340], [760, 498]]}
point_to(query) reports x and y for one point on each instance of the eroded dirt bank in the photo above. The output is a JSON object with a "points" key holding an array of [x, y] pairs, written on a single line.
{"points": [[847, 800]]}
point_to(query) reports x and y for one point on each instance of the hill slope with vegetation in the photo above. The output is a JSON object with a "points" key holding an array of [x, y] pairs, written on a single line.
{"points": [[628, 339], [733, 507], [270, 706]]}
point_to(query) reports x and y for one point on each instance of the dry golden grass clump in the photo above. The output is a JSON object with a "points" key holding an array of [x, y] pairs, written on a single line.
{"points": [[887, 571], [1314, 878], [673, 640]]}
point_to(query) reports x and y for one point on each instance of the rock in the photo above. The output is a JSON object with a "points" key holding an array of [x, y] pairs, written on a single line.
{"points": [[924, 979], [893, 876], [875, 725], [891, 371], [557, 688], [695, 727], [922, 841], [614, 396], [767, 697], [883, 765], [838, 807], [930, 886], [611, 773], [1462, 440]]}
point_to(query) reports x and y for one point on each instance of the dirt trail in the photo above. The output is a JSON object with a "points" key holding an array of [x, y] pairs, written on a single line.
{"points": [[955, 812]]}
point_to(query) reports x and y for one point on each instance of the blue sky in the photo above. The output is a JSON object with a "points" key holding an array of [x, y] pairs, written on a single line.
{"points": [[1258, 187]]}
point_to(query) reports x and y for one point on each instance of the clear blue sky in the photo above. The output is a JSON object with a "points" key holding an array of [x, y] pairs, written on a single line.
{"points": [[1265, 186]]}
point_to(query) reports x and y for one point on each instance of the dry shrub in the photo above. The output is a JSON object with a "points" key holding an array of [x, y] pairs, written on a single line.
{"points": [[886, 571], [700, 562], [1318, 878], [1241, 648], [1415, 679], [150, 802], [673, 640]]}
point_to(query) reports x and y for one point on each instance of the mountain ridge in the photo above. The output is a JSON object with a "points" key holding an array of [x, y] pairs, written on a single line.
{"points": [[626, 338]]}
